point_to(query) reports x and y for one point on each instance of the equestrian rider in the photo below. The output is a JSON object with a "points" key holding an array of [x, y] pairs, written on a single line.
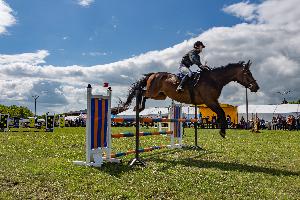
{"points": [[192, 57]]}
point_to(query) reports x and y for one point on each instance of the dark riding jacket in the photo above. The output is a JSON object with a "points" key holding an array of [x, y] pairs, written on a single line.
{"points": [[191, 58]]}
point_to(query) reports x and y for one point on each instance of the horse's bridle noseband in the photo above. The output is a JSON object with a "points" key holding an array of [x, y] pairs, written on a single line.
{"points": [[250, 84]]}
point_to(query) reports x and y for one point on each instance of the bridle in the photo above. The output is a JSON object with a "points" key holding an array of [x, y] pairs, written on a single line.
{"points": [[250, 84]]}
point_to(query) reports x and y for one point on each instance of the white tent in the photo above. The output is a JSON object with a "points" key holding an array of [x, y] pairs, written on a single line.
{"points": [[155, 112], [71, 118], [267, 112]]}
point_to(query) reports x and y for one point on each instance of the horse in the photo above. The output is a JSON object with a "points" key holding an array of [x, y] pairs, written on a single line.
{"points": [[202, 88]]}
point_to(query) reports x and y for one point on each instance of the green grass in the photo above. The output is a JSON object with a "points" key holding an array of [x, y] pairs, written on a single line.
{"points": [[243, 166]]}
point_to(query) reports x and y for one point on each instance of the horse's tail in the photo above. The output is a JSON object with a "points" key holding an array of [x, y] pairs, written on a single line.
{"points": [[138, 85]]}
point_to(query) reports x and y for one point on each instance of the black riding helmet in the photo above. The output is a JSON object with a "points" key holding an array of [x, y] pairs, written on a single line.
{"points": [[198, 44]]}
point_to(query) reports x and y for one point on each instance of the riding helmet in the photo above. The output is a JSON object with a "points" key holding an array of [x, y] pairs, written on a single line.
{"points": [[198, 44]]}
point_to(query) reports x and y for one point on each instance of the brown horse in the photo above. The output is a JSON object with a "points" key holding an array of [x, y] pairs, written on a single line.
{"points": [[201, 89]]}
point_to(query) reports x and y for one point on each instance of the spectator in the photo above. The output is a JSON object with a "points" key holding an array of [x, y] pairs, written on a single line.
{"points": [[279, 122], [274, 123], [242, 122], [294, 123], [284, 123], [214, 121], [289, 122], [228, 118], [262, 124], [298, 123]]}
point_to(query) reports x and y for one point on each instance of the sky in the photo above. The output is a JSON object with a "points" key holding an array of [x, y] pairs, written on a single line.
{"points": [[54, 48]]}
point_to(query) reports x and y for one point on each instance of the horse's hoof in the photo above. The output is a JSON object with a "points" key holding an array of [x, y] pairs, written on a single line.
{"points": [[223, 134]]}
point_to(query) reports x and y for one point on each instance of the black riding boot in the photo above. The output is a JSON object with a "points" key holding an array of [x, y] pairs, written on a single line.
{"points": [[182, 82]]}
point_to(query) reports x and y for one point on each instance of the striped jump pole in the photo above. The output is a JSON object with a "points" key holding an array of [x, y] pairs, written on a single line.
{"points": [[4, 126], [176, 125], [98, 133], [99, 137], [129, 134]]}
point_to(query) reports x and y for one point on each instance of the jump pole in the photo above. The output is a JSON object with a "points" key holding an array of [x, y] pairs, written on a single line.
{"points": [[96, 143], [176, 127], [196, 129], [137, 160], [99, 137]]}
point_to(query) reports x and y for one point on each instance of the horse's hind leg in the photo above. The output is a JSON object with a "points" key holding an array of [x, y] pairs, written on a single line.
{"points": [[215, 106], [143, 103], [160, 96], [139, 99]]}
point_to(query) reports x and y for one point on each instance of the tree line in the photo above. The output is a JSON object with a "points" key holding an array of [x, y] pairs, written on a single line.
{"points": [[294, 102], [16, 111]]}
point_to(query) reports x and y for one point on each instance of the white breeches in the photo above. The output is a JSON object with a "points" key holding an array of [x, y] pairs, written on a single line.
{"points": [[184, 70]]}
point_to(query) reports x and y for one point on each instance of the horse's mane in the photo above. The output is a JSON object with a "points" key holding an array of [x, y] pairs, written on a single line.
{"points": [[226, 67]]}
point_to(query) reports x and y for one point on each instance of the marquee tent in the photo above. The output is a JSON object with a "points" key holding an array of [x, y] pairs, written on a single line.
{"points": [[267, 112], [155, 112]]}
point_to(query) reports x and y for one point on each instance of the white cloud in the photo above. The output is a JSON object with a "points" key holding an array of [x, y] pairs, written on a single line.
{"points": [[24, 58], [96, 53], [243, 10], [85, 3], [6, 16], [270, 43], [191, 34]]}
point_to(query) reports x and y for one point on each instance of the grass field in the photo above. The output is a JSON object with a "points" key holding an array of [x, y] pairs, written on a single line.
{"points": [[243, 166]]}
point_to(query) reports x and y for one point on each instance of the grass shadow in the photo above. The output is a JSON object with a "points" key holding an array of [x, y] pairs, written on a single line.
{"points": [[226, 166], [117, 169]]}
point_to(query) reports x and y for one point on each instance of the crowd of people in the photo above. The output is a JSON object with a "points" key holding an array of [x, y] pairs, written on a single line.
{"points": [[277, 123], [78, 122]]}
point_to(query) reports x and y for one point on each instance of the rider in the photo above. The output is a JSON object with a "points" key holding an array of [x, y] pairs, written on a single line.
{"points": [[190, 58]]}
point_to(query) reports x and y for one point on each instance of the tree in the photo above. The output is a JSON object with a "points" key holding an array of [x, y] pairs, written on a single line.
{"points": [[295, 102], [16, 111]]}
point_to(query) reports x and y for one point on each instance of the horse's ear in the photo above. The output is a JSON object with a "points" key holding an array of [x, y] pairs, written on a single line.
{"points": [[248, 64]]}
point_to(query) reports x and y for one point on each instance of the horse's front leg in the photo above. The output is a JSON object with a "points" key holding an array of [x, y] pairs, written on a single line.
{"points": [[215, 107]]}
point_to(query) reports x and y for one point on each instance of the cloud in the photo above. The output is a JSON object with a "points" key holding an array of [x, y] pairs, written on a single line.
{"points": [[24, 58], [243, 10], [191, 34], [6, 16], [85, 3], [271, 43], [95, 54]]}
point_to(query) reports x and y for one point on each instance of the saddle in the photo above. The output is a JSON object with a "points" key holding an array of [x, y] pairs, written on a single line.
{"points": [[193, 80]]}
